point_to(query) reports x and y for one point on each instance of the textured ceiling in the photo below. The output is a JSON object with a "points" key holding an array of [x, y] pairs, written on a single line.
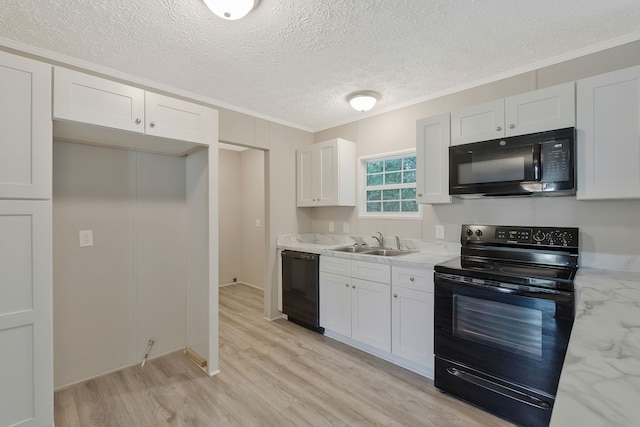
{"points": [[296, 60]]}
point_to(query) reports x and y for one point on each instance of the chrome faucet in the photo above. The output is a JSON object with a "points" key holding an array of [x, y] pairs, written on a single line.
{"points": [[398, 242], [380, 239]]}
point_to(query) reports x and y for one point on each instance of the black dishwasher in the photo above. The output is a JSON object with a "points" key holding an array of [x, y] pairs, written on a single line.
{"points": [[300, 289]]}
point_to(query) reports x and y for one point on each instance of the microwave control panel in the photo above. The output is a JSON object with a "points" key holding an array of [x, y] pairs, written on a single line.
{"points": [[556, 161]]}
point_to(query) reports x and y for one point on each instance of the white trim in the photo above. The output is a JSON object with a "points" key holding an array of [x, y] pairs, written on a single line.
{"points": [[361, 184]]}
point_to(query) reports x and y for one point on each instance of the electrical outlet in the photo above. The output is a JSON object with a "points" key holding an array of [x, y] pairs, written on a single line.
{"points": [[440, 232], [86, 238], [258, 223], [345, 227], [331, 227]]}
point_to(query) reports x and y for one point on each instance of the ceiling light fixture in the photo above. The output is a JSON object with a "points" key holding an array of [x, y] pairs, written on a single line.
{"points": [[363, 100], [231, 9]]}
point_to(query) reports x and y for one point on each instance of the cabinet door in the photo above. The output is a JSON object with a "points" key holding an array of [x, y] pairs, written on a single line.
{"points": [[608, 144], [335, 303], [26, 388], [412, 325], [432, 159], [371, 314], [25, 128], [540, 110], [304, 175], [83, 98], [478, 123], [327, 174], [177, 119]]}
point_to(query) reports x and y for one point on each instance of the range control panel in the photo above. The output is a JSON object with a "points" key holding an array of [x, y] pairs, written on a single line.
{"points": [[517, 235]]}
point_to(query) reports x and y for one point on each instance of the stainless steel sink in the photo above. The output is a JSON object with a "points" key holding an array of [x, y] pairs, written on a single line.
{"points": [[365, 250], [388, 252], [353, 249]]}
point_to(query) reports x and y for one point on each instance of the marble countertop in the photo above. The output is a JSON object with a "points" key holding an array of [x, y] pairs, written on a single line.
{"points": [[600, 380]]}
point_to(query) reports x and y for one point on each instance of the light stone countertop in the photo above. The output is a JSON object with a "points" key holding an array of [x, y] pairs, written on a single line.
{"points": [[600, 380]]}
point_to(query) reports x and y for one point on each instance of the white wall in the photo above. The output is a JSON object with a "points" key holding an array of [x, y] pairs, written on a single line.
{"points": [[230, 210], [606, 226], [242, 243], [252, 210], [111, 298]]}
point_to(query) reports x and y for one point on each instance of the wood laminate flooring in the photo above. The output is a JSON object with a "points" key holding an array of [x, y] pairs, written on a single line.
{"points": [[271, 374]]}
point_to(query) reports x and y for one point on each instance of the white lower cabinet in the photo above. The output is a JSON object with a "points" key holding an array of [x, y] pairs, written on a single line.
{"points": [[335, 303], [387, 311], [353, 307], [412, 316], [371, 313]]}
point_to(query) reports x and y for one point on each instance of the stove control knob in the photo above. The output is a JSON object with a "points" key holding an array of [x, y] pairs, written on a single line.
{"points": [[479, 233], [563, 237], [538, 236], [468, 232]]}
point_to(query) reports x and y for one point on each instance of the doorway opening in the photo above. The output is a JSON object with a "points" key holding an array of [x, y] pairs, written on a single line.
{"points": [[242, 216]]}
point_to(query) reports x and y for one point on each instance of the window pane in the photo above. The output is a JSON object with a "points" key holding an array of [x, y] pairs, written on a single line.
{"points": [[392, 178], [374, 206], [377, 195], [408, 193], [409, 163], [391, 206], [373, 167], [409, 176], [391, 194], [392, 165], [374, 179], [409, 207]]}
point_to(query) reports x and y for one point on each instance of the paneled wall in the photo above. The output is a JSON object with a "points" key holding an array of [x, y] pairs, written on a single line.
{"points": [[129, 287], [242, 204]]}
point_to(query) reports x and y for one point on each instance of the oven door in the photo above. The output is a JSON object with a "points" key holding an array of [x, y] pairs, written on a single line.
{"points": [[507, 340]]}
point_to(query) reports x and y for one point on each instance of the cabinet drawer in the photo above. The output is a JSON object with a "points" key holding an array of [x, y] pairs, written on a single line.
{"points": [[420, 279], [329, 264], [380, 273]]}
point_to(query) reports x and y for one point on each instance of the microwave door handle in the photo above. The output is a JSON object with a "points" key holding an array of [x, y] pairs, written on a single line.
{"points": [[537, 156]]}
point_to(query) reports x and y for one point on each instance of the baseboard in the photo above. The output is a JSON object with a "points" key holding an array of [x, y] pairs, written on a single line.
{"points": [[240, 283], [62, 387]]}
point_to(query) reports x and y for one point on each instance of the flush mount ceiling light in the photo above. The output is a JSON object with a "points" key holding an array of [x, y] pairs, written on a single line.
{"points": [[231, 9], [363, 100]]}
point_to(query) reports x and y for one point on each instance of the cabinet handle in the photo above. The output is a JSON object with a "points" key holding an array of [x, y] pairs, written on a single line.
{"points": [[353, 286], [346, 284], [498, 128], [152, 124], [395, 295], [511, 126], [419, 194], [138, 120], [411, 279]]}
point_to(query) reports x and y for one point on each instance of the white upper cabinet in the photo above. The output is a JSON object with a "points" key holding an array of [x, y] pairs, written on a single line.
{"points": [[90, 108], [540, 110], [25, 128], [432, 159], [326, 174], [608, 147], [88, 99]]}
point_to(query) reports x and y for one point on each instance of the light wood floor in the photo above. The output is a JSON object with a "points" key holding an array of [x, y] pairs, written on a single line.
{"points": [[272, 374]]}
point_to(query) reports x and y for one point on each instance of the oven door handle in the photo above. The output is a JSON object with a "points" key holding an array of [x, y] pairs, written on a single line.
{"points": [[505, 288]]}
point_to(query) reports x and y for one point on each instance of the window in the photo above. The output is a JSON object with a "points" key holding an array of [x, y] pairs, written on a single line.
{"points": [[387, 185]]}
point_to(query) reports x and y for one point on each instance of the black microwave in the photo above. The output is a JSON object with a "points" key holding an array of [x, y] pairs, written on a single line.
{"points": [[537, 164]]}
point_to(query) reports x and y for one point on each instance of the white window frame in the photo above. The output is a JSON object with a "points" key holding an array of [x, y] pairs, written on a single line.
{"points": [[362, 188]]}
